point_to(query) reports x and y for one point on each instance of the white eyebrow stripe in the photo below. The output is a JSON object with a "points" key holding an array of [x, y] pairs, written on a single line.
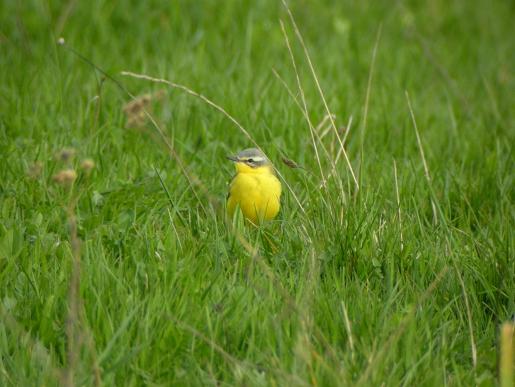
{"points": [[256, 158]]}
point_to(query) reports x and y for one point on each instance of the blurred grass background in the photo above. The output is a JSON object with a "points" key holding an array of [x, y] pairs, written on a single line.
{"points": [[333, 297]]}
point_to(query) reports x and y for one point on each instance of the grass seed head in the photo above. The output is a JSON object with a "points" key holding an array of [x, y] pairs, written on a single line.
{"points": [[290, 163], [136, 109], [87, 165], [65, 155], [66, 177]]}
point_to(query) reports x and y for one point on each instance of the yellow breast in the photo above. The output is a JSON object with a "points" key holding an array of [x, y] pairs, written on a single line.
{"points": [[257, 192]]}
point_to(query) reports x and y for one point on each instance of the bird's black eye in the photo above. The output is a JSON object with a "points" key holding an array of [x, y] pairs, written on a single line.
{"points": [[250, 160]]}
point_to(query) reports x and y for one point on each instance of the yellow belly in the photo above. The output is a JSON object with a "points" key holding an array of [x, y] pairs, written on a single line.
{"points": [[257, 195]]}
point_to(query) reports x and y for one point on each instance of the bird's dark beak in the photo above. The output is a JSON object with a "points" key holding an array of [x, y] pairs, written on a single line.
{"points": [[233, 158]]}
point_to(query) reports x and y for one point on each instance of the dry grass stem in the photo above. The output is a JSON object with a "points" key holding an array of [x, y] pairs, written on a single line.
{"points": [[399, 214], [304, 104], [305, 114], [322, 123], [340, 149], [422, 155], [348, 328], [506, 361], [469, 319], [301, 40], [290, 92], [195, 94]]}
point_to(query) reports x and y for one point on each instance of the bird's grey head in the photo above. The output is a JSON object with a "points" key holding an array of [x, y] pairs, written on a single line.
{"points": [[253, 157]]}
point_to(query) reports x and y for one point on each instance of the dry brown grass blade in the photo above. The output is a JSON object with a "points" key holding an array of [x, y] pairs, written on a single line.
{"points": [[348, 328], [338, 155], [316, 130], [290, 92], [304, 103], [322, 124], [315, 77], [305, 114], [195, 94]]}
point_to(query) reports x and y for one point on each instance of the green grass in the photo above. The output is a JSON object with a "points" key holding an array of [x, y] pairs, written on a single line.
{"points": [[346, 287]]}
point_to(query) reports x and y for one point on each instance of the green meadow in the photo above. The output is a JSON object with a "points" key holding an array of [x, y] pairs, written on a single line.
{"points": [[390, 124]]}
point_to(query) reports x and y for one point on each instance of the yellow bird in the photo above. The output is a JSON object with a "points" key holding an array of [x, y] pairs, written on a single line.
{"points": [[255, 189]]}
